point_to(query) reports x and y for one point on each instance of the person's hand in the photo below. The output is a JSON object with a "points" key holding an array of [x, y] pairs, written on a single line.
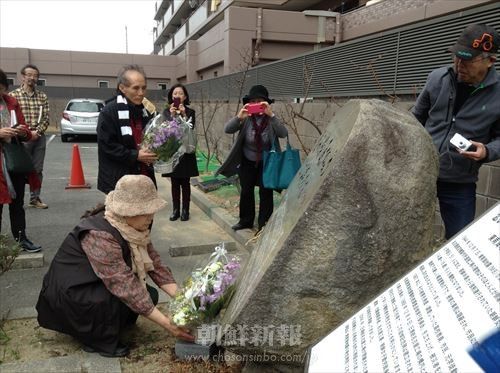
{"points": [[180, 332], [146, 156], [478, 154], [170, 289], [34, 136], [173, 110], [182, 110], [268, 111], [243, 114], [7, 133], [164, 321]]}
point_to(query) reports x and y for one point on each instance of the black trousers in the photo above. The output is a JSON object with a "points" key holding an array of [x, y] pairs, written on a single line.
{"points": [[176, 184], [16, 207], [124, 319], [250, 174]]}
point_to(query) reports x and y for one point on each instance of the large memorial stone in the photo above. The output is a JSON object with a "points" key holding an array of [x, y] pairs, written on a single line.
{"points": [[357, 216]]}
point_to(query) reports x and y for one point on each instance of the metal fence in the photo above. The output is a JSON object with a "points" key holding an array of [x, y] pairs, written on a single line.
{"points": [[156, 95], [393, 62]]}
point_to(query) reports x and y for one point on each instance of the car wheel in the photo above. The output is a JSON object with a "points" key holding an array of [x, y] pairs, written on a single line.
{"points": [[64, 138]]}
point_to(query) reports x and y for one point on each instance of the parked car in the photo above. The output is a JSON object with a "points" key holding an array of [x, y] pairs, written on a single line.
{"points": [[80, 117]]}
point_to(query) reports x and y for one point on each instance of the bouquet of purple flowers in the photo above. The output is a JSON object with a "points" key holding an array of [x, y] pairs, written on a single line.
{"points": [[165, 137], [206, 291]]}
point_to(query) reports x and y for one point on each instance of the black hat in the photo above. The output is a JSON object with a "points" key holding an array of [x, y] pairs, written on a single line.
{"points": [[257, 91], [474, 40]]}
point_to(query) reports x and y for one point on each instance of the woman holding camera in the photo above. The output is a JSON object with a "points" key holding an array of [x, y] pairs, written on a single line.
{"points": [[258, 127], [178, 100]]}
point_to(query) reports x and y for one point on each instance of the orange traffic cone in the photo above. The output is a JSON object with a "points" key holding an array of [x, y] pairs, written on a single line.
{"points": [[77, 180]]}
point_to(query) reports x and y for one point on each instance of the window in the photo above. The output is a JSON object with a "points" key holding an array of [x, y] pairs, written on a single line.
{"points": [[103, 83], [216, 74], [85, 107], [201, 77], [41, 82], [162, 86], [10, 81]]}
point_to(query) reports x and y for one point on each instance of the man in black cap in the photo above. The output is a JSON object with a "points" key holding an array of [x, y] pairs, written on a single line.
{"points": [[463, 99]]}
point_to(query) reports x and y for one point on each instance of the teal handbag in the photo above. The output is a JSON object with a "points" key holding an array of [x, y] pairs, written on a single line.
{"points": [[279, 168]]}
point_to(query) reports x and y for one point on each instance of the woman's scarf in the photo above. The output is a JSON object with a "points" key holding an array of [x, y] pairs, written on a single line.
{"points": [[259, 129], [138, 242]]}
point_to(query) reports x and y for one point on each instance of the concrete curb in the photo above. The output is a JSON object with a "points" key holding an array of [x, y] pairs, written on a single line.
{"points": [[222, 218], [26, 260], [199, 249], [21, 313], [72, 363]]}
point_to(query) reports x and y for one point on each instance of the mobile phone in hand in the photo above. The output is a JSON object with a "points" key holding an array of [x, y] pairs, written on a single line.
{"points": [[255, 108], [176, 102]]}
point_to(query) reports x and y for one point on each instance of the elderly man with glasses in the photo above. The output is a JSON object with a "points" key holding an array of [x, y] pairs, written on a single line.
{"points": [[463, 99], [35, 107]]}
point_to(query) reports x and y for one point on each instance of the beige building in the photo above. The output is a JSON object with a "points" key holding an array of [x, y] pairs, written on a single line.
{"points": [[202, 39], [211, 38], [83, 69]]}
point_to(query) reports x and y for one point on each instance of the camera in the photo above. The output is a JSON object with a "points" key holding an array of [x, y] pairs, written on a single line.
{"points": [[461, 143], [256, 108]]}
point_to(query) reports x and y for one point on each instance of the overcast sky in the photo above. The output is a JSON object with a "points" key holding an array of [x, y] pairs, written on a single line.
{"points": [[76, 25]]}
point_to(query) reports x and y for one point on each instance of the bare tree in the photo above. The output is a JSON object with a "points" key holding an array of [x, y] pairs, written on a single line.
{"points": [[247, 62], [294, 118], [207, 116], [371, 69]]}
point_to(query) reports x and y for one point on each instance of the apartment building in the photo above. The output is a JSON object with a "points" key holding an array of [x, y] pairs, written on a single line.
{"points": [[211, 38], [196, 40]]}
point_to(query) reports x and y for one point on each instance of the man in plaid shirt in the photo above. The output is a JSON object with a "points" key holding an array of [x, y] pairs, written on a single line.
{"points": [[35, 107]]}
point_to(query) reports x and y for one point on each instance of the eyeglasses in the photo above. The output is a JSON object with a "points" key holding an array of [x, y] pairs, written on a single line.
{"points": [[31, 76], [469, 62]]}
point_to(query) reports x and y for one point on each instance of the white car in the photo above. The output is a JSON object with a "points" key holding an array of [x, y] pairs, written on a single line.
{"points": [[80, 117]]}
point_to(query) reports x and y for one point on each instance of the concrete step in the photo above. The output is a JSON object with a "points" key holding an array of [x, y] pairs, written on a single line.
{"points": [[223, 219], [28, 260], [66, 364], [200, 249]]}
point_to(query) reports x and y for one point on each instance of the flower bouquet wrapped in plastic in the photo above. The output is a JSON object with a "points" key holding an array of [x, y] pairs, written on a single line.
{"points": [[169, 139], [206, 291]]}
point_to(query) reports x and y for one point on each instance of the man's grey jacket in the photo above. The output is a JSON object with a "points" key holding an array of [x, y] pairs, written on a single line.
{"points": [[478, 119]]}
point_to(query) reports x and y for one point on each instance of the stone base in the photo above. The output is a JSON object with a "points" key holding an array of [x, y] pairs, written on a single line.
{"points": [[192, 351]]}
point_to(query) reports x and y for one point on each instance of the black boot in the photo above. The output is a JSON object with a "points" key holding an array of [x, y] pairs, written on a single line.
{"points": [[175, 214], [185, 214], [26, 244]]}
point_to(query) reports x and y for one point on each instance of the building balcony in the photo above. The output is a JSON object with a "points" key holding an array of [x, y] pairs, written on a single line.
{"points": [[197, 23], [173, 18], [181, 34], [161, 7], [198, 17]]}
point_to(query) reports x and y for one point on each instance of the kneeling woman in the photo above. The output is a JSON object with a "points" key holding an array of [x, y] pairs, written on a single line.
{"points": [[96, 284]]}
